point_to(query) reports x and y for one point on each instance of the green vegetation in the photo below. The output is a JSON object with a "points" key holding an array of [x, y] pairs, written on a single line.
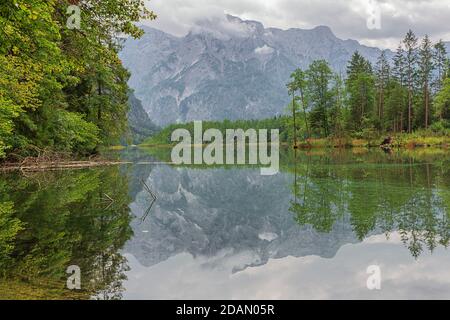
{"points": [[400, 192], [163, 137], [411, 95], [52, 220], [63, 89], [420, 138]]}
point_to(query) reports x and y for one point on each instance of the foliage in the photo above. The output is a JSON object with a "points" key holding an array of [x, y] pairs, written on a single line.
{"points": [[164, 136], [411, 94], [62, 219], [49, 74]]}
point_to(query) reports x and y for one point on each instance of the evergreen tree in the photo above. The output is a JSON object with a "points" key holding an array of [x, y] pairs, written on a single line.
{"points": [[360, 87], [382, 79], [440, 61], [410, 43], [425, 72]]}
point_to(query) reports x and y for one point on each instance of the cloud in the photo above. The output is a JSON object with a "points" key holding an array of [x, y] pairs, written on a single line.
{"points": [[264, 50], [310, 277], [347, 18]]}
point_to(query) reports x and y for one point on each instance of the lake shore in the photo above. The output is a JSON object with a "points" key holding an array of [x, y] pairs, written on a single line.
{"points": [[36, 164]]}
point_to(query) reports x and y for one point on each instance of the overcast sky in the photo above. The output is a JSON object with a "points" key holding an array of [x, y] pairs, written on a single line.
{"points": [[347, 18]]}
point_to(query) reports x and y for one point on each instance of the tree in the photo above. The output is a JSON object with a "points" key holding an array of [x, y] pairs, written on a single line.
{"points": [[410, 43], [360, 87], [49, 74], [319, 76], [425, 72], [382, 72], [395, 94], [398, 70], [338, 115], [299, 84], [440, 62], [442, 101], [399, 75]]}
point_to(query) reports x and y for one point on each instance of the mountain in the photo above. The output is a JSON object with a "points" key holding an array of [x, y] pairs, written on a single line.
{"points": [[139, 122], [227, 68]]}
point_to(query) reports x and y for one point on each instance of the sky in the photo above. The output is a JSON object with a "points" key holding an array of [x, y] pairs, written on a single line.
{"points": [[380, 23]]}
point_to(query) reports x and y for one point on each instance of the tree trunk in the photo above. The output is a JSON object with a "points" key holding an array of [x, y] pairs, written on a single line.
{"points": [[409, 111], [304, 112], [426, 105], [295, 123], [99, 110], [401, 122]]}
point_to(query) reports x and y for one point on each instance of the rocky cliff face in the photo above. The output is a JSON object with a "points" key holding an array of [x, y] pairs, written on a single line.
{"points": [[227, 68], [139, 123]]}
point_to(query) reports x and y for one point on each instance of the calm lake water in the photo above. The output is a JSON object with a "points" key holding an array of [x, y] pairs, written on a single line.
{"points": [[309, 232]]}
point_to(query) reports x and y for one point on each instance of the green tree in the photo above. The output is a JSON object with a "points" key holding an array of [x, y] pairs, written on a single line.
{"points": [[319, 77], [426, 68], [411, 60], [299, 84], [339, 114], [382, 72], [442, 101], [49, 74], [360, 86], [441, 63]]}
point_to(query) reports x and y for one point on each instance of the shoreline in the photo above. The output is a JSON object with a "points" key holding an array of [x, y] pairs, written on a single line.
{"points": [[57, 165], [325, 144], [37, 164]]}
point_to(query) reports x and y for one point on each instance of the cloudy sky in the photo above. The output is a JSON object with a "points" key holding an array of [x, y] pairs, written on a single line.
{"points": [[343, 276], [354, 19]]}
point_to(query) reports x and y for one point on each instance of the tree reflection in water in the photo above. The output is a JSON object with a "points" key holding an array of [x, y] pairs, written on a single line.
{"points": [[52, 220], [377, 192]]}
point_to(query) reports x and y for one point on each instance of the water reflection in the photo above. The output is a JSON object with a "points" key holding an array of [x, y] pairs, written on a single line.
{"points": [[50, 221], [228, 231], [398, 195]]}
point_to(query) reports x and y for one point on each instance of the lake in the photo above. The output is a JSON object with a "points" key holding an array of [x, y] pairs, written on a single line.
{"points": [[150, 230]]}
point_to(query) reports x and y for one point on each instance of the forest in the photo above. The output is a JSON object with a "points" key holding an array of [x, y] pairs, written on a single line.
{"points": [[410, 93], [64, 89]]}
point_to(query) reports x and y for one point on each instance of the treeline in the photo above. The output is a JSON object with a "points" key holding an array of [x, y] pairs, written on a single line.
{"points": [[61, 88], [280, 122], [410, 92]]}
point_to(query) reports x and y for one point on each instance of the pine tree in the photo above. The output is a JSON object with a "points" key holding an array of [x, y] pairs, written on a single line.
{"points": [[360, 87], [410, 43], [382, 78], [440, 61], [425, 72]]}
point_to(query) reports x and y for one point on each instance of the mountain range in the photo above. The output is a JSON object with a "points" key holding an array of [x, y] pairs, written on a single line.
{"points": [[227, 68]]}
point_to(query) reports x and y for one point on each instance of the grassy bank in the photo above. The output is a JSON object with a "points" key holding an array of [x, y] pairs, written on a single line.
{"points": [[398, 141]]}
